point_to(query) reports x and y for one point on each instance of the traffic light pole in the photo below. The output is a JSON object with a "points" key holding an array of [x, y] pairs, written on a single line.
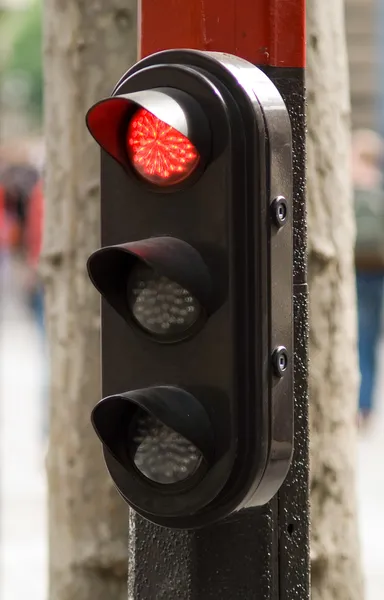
{"points": [[259, 553]]}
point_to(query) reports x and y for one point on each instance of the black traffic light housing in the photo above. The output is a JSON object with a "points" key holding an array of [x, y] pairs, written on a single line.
{"points": [[196, 189]]}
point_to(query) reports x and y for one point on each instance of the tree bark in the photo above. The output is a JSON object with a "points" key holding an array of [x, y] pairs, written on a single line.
{"points": [[88, 46], [336, 572]]}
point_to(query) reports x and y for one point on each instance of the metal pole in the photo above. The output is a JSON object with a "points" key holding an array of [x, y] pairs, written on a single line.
{"points": [[259, 553]]}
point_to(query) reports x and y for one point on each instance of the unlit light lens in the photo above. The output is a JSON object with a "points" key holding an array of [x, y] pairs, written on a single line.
{"points": [[161, 306], [160, 453]]}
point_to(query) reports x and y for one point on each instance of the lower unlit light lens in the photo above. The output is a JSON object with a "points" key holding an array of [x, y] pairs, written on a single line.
{"points": [[160, 453]]}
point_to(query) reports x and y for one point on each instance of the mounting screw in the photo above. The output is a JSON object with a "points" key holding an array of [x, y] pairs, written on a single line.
{"points": [[280, 360], [279, 209]]}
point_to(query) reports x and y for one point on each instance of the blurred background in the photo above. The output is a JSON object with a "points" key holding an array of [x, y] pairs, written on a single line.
{"points": [[23, 549], [23, 356]]}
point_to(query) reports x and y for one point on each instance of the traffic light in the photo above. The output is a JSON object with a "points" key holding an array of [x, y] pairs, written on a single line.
{"points": [[195, 272]]}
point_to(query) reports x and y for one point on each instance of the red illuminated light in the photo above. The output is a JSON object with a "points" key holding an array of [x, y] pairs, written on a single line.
{"points": [[158, 152]]}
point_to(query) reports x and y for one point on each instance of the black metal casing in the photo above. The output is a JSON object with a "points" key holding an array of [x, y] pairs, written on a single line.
{"points": [[226, 213]]}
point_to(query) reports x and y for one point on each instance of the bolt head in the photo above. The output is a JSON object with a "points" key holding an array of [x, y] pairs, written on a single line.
{"points": [[280, 361]]}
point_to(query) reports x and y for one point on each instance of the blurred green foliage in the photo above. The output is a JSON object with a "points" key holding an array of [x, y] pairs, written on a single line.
{"points": [[25, 54]]}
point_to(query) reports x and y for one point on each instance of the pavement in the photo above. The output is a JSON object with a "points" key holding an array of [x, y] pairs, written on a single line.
{"points": [[23, 527], [370, 488]]}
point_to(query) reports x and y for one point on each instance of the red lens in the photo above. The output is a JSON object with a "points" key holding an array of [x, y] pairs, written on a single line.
{"points": [[158, 152]]}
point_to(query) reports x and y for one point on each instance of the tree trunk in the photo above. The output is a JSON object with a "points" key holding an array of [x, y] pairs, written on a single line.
{"points": [[88, 46], [336, 572]]}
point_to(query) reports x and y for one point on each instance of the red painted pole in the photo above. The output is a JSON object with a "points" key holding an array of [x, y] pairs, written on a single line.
{"points": [[264, 32]]}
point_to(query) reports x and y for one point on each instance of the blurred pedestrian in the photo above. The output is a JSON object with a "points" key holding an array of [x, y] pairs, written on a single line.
{"points": [[23, 200], [18, 181], [9, 235], [368, 158]]}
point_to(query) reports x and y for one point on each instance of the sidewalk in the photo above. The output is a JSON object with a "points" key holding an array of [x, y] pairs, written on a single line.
{"points": [[371, 495], [23, 531]]}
